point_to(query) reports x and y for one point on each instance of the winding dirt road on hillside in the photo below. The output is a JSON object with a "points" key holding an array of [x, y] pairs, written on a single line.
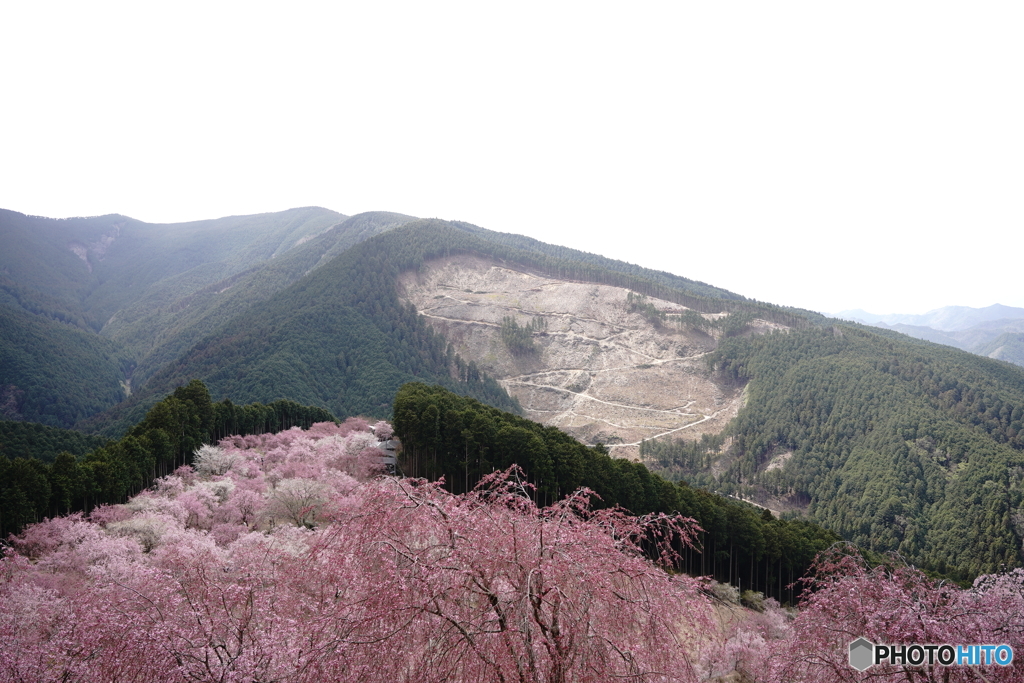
{"points": [[599, 372]]}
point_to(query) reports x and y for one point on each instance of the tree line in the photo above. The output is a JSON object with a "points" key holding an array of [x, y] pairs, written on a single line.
{"points": [[725, 326], [34, 440], [570, 264], [462, 440]]}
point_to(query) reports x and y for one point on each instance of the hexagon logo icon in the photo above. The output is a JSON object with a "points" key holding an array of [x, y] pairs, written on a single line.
{"points": [[861, 654]]}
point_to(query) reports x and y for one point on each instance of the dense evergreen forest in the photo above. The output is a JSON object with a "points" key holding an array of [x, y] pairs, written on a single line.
{"points": [[54, 373], [458, 438], [340, 338], [34, 440], [896, 445], [38, 486], [171, 318]]}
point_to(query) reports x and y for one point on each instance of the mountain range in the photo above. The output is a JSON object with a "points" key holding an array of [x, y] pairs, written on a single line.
{"points": [[895, 443], [995, 331]]}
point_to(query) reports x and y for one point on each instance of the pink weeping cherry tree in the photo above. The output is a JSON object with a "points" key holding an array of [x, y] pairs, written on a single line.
{"points": [[893, 605], [495, 588]]}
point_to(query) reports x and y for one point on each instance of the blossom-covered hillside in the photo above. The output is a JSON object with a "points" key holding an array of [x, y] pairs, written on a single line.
{"points": [[280, 557], [287, 557]]}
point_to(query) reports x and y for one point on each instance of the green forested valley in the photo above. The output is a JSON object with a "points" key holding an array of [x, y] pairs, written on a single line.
{"points": [[55, 373]]}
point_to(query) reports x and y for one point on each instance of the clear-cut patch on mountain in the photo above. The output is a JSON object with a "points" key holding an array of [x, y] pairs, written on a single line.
{"points": [[574, 354]]}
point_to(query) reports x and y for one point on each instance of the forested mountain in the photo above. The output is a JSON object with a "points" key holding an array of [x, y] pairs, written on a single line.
{"points": [[341, 337], [884, 453], [162, 325], [897, 444], [999, 339], [98, 266], [246, 303], [149, 291], [1008, 346], [54, 373]]}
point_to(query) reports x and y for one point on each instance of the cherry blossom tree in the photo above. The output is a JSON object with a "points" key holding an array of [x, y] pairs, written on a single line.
{"points": [[498, 589], [383, 430], [894, 604]]}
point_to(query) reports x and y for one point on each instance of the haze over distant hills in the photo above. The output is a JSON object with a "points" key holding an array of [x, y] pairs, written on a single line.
{"points": [[895, 443], [995, 331], [90, 308]]}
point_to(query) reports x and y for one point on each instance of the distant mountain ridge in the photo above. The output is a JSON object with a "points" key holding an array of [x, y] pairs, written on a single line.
{"points": [[94, 267], [995, 331], [116, 298], [945, 319]]}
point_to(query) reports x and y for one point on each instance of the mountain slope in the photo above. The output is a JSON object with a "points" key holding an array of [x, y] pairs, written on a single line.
{"points": [[342, 338], [338, 338], [1008, 346], [591, 359], [528, 244], [151, 290], [54, 373], [157, 331], [895, 444]]}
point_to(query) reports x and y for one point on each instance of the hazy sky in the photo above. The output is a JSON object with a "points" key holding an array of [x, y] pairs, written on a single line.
{"points": [[818, 154]]}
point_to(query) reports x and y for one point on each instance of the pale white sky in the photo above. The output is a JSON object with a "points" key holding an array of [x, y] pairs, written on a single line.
{"points": [[817, 154]]}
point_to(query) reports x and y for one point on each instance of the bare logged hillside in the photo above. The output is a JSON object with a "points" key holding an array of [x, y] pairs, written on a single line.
{"points": [[585, 363]]}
